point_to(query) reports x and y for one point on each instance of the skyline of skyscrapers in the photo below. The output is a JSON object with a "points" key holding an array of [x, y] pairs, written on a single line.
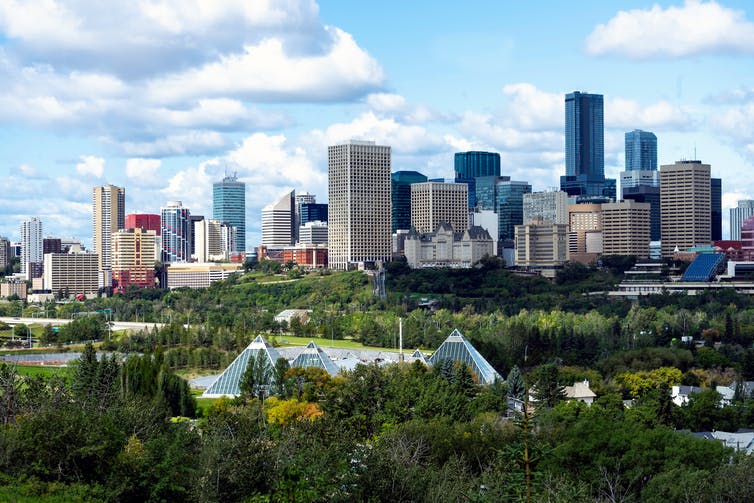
{"points": [[108, 216], [358, 179], [584, 146], [229, 205], [468, 166]]}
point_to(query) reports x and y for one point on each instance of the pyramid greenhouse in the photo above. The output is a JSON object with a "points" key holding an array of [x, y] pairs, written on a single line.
{"points": [[314, 356], [457, 348], [228, 382]]}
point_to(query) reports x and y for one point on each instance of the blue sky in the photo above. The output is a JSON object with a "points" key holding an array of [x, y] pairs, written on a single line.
{"points": [[163, 96]]}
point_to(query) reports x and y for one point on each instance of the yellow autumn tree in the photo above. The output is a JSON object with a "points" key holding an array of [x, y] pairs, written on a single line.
{"points": [[284, 412]]}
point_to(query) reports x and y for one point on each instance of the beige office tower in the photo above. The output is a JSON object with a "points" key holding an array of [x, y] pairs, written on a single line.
{"points": [[358, 229], [433, 203], [108, 216], [208, 241], [625, 228], [584, 220], [133, 257], [541, 245], [685, 206]]}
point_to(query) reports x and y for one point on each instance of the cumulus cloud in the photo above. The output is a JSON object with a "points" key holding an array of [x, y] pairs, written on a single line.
{"points": [[142, 170], [91, 166], [190, 143], [629, 114], [532, 108], [692, 29]]}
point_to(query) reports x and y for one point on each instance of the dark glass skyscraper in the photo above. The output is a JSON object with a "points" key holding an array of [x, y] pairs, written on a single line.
{"points": [[641, 151], [716, 206], [584, 146], [510, 206], [229, 205], [401, 197], [471, 165], [311, 212]]}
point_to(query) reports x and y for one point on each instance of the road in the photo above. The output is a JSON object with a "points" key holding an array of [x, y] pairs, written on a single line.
{"points": [[116, 325]]}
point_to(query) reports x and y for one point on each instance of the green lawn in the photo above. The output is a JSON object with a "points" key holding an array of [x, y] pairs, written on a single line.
{"points": [[289, 340], [37, 370]]}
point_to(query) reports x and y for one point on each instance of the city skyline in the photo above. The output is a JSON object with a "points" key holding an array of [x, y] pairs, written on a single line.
{"points": [[168, 123]]}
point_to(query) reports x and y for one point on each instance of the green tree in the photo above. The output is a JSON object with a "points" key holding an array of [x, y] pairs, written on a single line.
{"points": [[257, 377], [516, 385], [548, 391]]}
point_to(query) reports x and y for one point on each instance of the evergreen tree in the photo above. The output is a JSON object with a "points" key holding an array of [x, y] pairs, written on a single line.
{"points": [[516, 386], [257, 377], [547, 389]]}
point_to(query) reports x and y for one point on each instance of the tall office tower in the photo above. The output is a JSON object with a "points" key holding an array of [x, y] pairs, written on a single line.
{"points": [[625, 228], [229, 205], [470, 165], [585, 225], [301, 199], [550, 206], [716, 208], [433, 203], [51, 245], [5, 253], [738, 215], [584, 147], [133, 257], [31, 247], [145, 221], [175, 231], [510, 207], [400, 183], [228, 238], [278, 220], [195, 220], [685, 191], [358, 229], [651, 195], [108, 215], [486, 191], [313, 212], [641, 151], [208, 240]]}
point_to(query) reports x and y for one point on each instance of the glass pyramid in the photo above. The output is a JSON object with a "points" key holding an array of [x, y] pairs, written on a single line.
{"points": [[417, 355], [314, 356], [227, 383], [457, 348]]}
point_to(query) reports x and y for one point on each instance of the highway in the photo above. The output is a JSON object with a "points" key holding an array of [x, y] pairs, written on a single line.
{"points": [[115, 325]]}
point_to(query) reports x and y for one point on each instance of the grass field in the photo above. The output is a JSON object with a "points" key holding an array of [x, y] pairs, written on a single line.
{"points": [[37, 370], [289, 340]]}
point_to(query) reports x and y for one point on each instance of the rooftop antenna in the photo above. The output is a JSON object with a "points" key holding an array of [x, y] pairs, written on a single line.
{"points": [[695, 157]]}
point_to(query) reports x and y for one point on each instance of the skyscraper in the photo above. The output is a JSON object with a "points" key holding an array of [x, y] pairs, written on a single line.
{"points": [[738, 215], [584, 146], [716, 208], [278, 222], [229, 205], [401, 197], [31, 247], [359, 204], [108, 215], [433, 203], [133, 257], [510, 207], [175, 229], [550, 206], [625, 228], [641, 151], [685, 191], [471, 165]]}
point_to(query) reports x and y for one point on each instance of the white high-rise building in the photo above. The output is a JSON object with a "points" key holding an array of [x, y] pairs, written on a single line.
{"points": [[550, 206], [359, 204], [278, 222], [31, 247], [175, 230], [108, 216], [738, 215], [433, 203]]}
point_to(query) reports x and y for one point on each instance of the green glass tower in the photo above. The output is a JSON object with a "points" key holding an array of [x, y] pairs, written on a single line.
{"points": [[229, 205]]}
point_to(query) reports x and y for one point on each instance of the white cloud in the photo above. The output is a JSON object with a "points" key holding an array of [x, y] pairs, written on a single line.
{"points": [[266, 72], [91, 166], [142, 170], [695, 28], [190, 143], [629, 114], [531, 108]]}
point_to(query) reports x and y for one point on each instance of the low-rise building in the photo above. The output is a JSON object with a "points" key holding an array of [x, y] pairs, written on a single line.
{"points": [[13, 286], [541, 246], [446, 248], [198, 275]]}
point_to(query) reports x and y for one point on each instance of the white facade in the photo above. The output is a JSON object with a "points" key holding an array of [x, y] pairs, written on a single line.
{"points": [[446, 248], [359, 201], [278, 222], [550, 206], [31, 245], [313, 233], [629, 179], [196, 275], [744, 210]]}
